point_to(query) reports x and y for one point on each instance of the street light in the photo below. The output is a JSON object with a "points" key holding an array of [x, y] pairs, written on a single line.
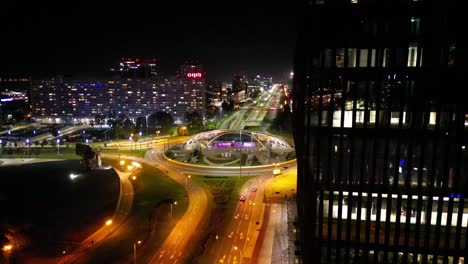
{"points": [[188, 178], [109, 222], [134, 250], [58, 146], [139, 139], [27, 144], [1, 147], [240, 251], [7, 247], [175, 203], [157, 133]]}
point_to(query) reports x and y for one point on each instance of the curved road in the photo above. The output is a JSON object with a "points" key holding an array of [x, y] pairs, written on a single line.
{"points": [[124, 205]]}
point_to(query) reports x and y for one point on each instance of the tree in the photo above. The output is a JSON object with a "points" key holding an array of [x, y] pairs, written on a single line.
{"points": [[99, 119], [165, 120], [283, 120], [140, 124], [225, 106], [194, 121], [231, 105], [128, 125], [153, 122]]}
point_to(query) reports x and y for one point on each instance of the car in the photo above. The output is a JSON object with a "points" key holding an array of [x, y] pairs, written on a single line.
{"points": [[253, 189], [277, 172], [242, 199]]}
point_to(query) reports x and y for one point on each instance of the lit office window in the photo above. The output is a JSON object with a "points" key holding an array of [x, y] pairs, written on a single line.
{"points": [[351, 57], [363, 58], [373, 57], [385, 57], [451, 55], [412, 55], [340, 57]]}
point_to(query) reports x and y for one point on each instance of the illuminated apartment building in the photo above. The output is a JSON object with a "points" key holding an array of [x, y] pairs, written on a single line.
{"points": [[67, 101]]}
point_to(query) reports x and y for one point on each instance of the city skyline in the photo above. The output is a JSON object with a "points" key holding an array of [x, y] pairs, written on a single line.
{"points": [[43, 41]]}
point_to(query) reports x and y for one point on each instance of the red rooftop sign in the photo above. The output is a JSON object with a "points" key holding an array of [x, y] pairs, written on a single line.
{"points": [[194, 75]]}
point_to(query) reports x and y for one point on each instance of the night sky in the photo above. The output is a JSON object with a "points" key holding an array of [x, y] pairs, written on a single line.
{"points": [[78, 37]]}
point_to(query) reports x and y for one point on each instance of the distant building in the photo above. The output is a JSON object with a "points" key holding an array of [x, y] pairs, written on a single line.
{"points": [[239, 88], [191, 70], [381, 132], [15, 99], [132, 67], [214, 92], [79, 101], [257, 84]]}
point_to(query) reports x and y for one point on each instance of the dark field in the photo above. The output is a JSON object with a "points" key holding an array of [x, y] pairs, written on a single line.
{"points": [[49, 212]]}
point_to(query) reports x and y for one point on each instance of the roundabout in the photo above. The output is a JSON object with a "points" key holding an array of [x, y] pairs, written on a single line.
{"points": [[232, 148]]}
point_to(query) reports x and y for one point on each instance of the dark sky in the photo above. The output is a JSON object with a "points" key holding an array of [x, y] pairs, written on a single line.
{"points": [[86, 38]]}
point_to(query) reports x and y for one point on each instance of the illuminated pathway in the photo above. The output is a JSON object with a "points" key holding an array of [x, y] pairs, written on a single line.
{"points": [[121, 212]]}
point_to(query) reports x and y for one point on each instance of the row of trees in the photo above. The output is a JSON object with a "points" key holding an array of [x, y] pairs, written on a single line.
{"points": [[160, 121]]}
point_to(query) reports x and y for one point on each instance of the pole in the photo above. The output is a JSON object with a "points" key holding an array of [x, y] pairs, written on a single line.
{"points": [[134, 253], [240, 159]]}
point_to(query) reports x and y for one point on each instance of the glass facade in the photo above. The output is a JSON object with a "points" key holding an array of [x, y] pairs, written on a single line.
{"points": [[380, 133]]}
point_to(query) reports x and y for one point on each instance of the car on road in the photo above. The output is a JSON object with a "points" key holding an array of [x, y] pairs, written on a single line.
{"points": [[277, 172], [242, 199], [253, 189]]}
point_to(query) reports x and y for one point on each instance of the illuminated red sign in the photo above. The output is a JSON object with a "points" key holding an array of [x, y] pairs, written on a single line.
{"points": [[194, 75]]}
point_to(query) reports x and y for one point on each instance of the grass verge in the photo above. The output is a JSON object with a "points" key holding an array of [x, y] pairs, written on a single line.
{"points": [[150, 220]]}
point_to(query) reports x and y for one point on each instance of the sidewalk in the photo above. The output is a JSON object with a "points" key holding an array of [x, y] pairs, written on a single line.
{"points": [[278, 244]]}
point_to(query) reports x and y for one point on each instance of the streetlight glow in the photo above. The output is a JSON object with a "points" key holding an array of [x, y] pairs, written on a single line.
{"points": [[109, 222], [7, 247], [58, 146]]}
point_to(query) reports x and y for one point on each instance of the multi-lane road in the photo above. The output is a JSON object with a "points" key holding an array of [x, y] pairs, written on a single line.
{"points": [[237, 243]]}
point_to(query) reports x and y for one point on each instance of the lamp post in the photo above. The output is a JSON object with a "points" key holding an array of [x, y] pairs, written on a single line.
{"points": [[27, 144], [7, 249], [84, 135], [157, 133], [134, 250], [139, 139], [146, 124], [187, 179], [1, 147], [240, 151], [175, 203], [240, 253], [58, 146]]}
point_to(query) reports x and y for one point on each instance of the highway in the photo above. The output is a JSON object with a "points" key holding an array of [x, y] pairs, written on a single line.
{"points": [[244, 228], [64, 131], [173, 249], [239, 238]]}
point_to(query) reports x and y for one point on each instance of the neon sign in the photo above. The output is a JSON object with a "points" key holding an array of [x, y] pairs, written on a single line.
{"points": [[194, 75]]}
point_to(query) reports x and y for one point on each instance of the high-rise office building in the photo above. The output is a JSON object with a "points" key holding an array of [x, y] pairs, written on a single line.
{"points": [[381, 132]]}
